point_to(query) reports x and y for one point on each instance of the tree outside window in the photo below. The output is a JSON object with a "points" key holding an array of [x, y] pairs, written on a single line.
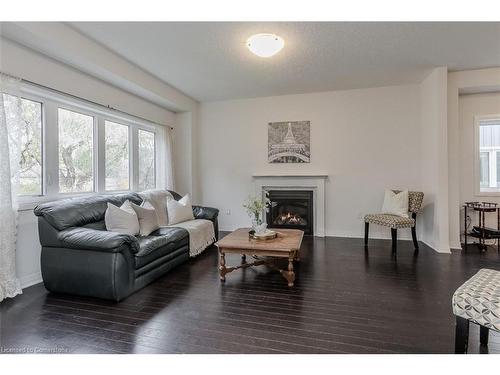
{"points": [[30, 143], [76, 163], [147, 173]]}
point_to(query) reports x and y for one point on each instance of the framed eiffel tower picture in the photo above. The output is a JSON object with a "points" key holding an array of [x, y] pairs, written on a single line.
{"points": [[289, 142]]}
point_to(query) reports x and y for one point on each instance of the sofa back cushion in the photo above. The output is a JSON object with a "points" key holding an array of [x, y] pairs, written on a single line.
{"points": [[77, 212]]}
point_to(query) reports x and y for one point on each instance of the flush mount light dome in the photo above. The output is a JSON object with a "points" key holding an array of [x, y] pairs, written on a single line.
{"points": [[265, 45]]}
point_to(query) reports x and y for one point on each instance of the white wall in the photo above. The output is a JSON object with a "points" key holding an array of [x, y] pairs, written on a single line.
{"points": [[365, 140], [434, 159], [26, 63], [470, 106]]}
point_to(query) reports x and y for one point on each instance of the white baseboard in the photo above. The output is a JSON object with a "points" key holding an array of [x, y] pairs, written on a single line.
{"points": [[30, 280], [372, 237], [456, 246], [431, 245]]}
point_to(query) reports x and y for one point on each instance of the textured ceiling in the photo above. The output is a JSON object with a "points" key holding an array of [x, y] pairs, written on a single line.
{"points": [[209, 61]]}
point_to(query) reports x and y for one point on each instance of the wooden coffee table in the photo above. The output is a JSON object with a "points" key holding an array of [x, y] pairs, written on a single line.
{"points": [[286, 245]]}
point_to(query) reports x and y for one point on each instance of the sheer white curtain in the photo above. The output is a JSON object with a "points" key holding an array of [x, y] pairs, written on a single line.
{"points": [[169, 159], [10, 152]]}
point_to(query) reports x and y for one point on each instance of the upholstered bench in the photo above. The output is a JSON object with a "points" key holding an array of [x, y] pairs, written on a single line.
{"points": [[477, 301]]}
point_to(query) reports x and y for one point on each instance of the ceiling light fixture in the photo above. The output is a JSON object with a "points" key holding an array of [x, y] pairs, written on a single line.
{"points": [[265, 45]]}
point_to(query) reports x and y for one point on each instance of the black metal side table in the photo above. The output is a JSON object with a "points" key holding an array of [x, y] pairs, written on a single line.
{"points": [[481, 232]]}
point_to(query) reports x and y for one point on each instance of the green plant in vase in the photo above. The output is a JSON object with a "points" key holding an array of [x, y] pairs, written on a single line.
{"points": [[255, 207]]}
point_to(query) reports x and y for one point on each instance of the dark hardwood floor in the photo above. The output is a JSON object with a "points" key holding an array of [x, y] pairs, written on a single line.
{"points": [[345, 300]]}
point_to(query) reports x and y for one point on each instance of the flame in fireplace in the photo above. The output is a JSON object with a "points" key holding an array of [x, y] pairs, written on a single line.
{"points": [[289, 219]]}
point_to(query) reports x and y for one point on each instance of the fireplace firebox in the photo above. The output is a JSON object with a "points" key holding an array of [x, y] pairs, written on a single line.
{"points": [[291, 209]]}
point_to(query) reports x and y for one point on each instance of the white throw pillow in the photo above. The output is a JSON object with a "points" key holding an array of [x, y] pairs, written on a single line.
{"points": [[179, 211], [158, 199], [121, 219], [148, 221], [395, 204]]}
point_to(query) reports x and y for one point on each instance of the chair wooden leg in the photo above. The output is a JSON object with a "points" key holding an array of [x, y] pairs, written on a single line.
{"points": [[483, 335], [414, 237], [394, 235], [367, 228], [461, 335], [414, 231]]}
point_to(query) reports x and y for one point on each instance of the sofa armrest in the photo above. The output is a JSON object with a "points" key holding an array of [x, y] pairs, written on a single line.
{"points": [[208, 213], [97, 240]]}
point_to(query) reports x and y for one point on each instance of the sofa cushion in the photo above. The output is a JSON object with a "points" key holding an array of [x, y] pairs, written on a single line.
{"points": [[148, 221], [97, 225], [76, 212], [121, 219], [158, 199], [179, 211], [160, 243]]}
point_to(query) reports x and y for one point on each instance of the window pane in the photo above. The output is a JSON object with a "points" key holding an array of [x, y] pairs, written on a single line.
{"points": [[484, 168], [76, 145], [117, 156], [30, 146], [489, 142], [147, 175]]}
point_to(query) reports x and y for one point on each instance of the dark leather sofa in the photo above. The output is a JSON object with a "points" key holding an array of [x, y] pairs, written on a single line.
{"points": [[80, 257]]}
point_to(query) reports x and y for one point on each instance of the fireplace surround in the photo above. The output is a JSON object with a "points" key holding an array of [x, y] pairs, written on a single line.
{"points": [[291, 209], [315, 182]]}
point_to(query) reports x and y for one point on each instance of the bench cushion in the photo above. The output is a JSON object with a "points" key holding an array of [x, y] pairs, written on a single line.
{"points": [[478, 299], [392, 221], [161, 242]]}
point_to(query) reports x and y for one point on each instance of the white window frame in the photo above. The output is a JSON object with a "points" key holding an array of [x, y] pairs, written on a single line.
{"points": [[51, 101], [492, 159]]}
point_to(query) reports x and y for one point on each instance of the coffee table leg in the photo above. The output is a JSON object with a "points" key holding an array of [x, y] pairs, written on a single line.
{"points": [[222, 266], [289, 275]]}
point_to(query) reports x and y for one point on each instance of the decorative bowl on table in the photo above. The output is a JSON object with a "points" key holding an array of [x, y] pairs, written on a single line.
{"points": [[267, 235]]}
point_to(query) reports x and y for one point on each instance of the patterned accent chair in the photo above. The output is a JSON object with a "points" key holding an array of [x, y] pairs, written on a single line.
{"points": [[395, 222], [477, 301]]}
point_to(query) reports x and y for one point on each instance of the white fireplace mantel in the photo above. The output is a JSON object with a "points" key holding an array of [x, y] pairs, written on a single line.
{"points": [[301, 175], [313, 182]]}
